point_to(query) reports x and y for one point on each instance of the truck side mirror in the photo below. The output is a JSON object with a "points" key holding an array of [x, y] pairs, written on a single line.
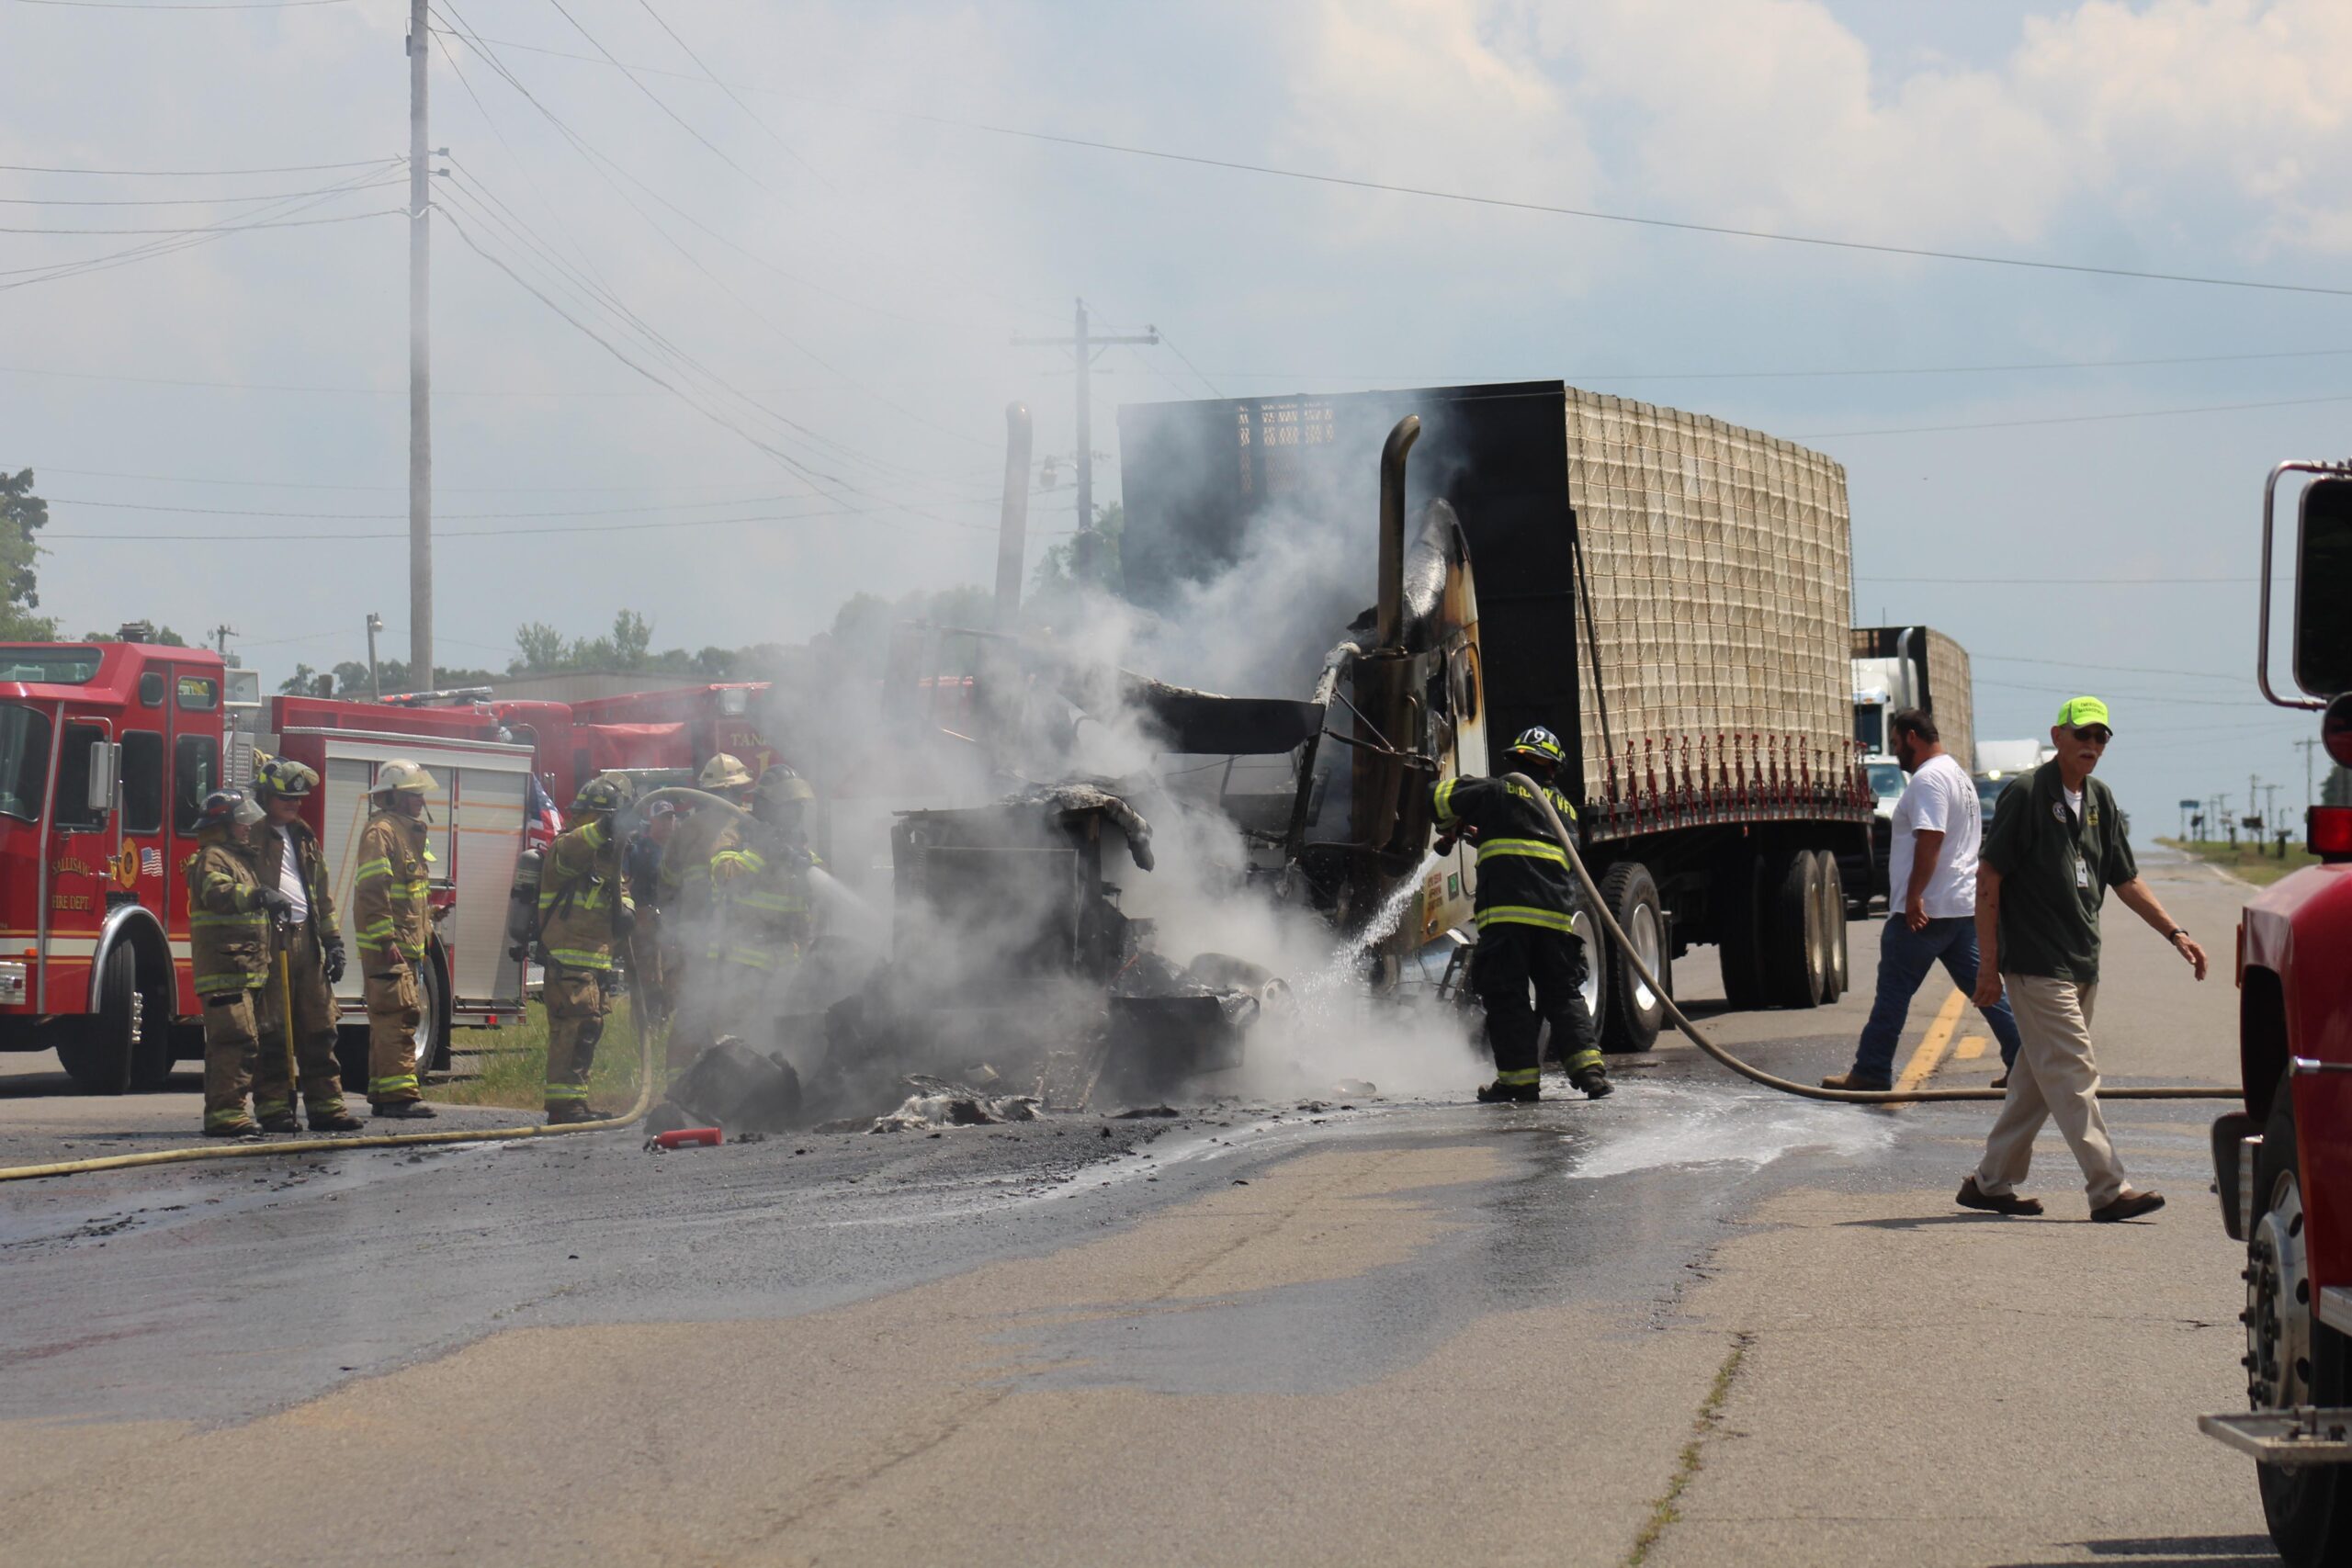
{"points": [[102, 769], [2324, 588]]}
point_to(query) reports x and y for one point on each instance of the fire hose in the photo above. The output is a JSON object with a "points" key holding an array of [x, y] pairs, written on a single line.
{"points": [[1757, 1074]]}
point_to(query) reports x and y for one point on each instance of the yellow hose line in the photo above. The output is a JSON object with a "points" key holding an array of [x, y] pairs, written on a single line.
{"points": [[380, 1141], [1789, 1085]]}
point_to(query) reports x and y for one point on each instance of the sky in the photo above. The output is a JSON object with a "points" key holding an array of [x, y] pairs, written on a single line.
{"points": [[824, 255]]}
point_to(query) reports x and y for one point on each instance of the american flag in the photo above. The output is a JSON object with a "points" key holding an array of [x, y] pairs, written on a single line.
{"points": [[541, 821], [151, 861]]}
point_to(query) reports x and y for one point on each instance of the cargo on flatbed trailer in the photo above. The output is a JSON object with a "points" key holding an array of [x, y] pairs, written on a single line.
{"points": [[1667, 593]]}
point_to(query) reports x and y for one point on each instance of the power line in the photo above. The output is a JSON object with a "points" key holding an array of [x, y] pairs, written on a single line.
{"points": [[25, 277], [778, 136], [2063, 582], [2073, 418], [221, 228], [50, 535], [161, 200], [2120, 669], [180, 6], [1595, 215], [1607, 377], [196, 173], [1169, 344]]}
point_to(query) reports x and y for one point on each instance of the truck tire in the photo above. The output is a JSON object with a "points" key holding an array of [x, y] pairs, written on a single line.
{"points": [[99, 1055], [1794, 945], [157, 1054], [1835, 977], [1630, 894], [1736, 912], [2295, 1359]]}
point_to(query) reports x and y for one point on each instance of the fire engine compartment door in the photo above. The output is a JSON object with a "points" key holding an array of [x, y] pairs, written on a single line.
{"points": [[477, 806]]}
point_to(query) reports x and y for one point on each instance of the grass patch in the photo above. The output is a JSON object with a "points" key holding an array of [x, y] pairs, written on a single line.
{"points": [[508, 1065], [1711, 1415], [2258, 864]]}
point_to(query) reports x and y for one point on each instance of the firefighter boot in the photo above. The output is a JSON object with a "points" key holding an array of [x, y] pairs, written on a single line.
{"points": [[281, 1121], [334, 1119], [402, 1110], [570, 1111], [1501, 1093], [1593, 1080]]}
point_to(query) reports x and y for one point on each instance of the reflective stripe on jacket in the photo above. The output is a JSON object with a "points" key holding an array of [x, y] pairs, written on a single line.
{"points": [[580, 888], [388, 900], [763, 906], [228, 930], [1523, 876]]}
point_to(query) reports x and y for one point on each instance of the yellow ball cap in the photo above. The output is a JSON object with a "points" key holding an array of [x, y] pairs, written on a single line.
{"points": [[2080, 713]]}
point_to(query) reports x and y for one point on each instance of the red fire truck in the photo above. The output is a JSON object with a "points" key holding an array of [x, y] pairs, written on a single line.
{"points": [[107, 752], [2284, 1164]]}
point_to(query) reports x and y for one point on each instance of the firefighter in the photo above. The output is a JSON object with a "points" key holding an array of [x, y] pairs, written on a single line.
{"points": [[651, 945], [1527, 921], [585, 913], [683, 891], [760, 884], [287, 857], [388, 899], [229, 913]]}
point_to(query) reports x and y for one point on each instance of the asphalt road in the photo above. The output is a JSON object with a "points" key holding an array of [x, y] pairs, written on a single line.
{"points": [[1693, 1324]]}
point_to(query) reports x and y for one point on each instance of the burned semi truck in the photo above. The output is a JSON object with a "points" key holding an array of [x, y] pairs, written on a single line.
{"points": [[1668, 594]]}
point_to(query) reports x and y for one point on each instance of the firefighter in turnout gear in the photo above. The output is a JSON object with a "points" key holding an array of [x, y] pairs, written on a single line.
{"points": [[681, 888], [310, 941], [585, 914], [760, 883], [1527, 921], [388, 910], [229, 913]]}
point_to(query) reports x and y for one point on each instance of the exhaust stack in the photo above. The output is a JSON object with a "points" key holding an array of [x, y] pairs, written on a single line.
{"points": [[1388, 631]]}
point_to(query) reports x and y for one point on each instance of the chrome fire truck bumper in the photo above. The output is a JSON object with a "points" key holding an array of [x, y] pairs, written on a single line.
{"points": [[2306, 1435]]}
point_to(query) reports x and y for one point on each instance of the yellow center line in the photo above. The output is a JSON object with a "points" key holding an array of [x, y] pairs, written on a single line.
{"points": [[1971, 1046], [1930, 1053]]}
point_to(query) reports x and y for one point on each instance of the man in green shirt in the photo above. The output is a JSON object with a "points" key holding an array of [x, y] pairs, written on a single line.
{"points": [[2055, 847]]}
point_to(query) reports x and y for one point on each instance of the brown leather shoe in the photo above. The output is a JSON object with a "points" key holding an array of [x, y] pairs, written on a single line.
{"points": [[1856, 1081], [1973, 1197], [2128, 1205], [2001, 1082]]}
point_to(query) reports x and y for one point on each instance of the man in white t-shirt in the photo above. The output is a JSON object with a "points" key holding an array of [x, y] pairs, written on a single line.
{"points": [[1931, 900]]}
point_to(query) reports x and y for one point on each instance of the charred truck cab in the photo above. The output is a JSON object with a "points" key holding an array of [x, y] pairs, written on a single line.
{"points": [[1668, 594], [2283, 1164]]}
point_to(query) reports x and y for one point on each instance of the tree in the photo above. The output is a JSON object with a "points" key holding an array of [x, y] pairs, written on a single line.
{"points": [[1090, 556], [22, 514], [541, 650], [161, 636]]}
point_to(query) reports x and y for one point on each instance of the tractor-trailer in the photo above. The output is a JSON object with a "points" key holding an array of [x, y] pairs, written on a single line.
{"points": [[1667, 593], [1913, 667]]}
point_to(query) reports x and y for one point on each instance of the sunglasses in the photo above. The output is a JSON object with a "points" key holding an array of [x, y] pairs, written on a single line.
{"points": [[2096, 734]]}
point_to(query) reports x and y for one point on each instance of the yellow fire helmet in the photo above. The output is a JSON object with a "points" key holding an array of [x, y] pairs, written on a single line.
{"points": [[724, 771], [282, 776], [399, 776], [780, 782]]}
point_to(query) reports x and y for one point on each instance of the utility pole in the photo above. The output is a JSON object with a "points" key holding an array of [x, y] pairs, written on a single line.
{"points": [[220, 635], [420, 365], [374, 685], [1083, 342], [2307, 747]]}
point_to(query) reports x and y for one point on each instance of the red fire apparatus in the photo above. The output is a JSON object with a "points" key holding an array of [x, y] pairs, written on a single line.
{"points": [[107, 752], [2284, 1163]]}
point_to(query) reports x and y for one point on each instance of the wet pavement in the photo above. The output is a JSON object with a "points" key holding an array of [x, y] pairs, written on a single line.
{"points": [[1330, 1318]]}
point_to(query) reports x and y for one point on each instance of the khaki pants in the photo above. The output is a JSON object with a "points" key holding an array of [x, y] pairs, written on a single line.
{"points": [[2055, 1077], [576, 1010], [232, 1043], [314, 1027], [394, 1009]]}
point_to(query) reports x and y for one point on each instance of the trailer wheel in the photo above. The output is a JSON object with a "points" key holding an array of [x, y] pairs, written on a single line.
{"points": [[2292, 1358], [97, 1056], [1834, 977], [1736, 909], [1794, 945], [1634, 1022]]}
